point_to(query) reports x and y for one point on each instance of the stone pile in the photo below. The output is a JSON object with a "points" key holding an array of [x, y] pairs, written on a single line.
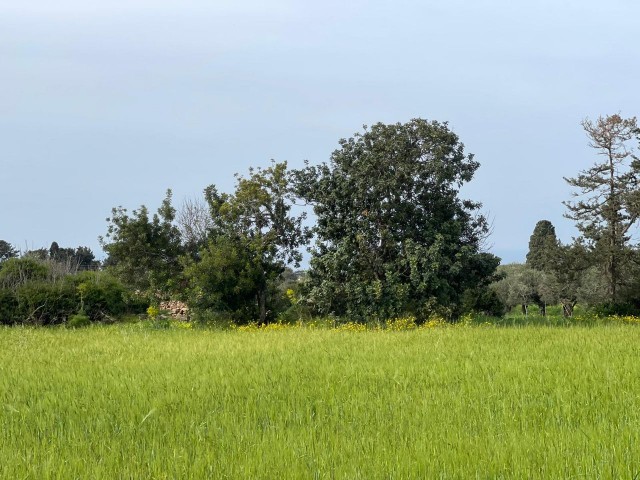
{"points": [[176, 309]]}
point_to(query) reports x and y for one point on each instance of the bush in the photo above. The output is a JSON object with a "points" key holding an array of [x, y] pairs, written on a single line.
{"points": [[33, 299], [78, 320], [99, 294], [8, 307], [18, 271], [45, 303], [619, 309], [483, 300]]}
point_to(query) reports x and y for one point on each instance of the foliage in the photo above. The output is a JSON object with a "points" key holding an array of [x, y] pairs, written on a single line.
{"points": [[521, 285], [78, 320], [483, 300], [609, 202], [36, 299], [7, 251], [80, 258], [253, 237], [393, 237], [18, 271], [45, 303], [153, 312], [227, 280], [144, 252], [100, 294], [543, 247], [8, 307]]}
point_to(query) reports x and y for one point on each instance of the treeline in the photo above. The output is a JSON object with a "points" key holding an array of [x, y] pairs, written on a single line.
{"points": [[600, 268], [391, 238]]}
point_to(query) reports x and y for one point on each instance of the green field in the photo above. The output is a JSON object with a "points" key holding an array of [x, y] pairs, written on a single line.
{"points": [[458, 402]]}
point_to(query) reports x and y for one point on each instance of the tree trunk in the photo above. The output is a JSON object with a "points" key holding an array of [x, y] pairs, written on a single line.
{"points": [[567, 309], [262, 305]]}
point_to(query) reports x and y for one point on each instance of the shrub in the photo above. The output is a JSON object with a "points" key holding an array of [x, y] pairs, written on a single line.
{"points": [[8, 307], [78, 320], [616, 309], [18, 271], [45, 303], [99, 294]]}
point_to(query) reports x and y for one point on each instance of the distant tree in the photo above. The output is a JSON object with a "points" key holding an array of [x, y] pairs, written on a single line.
{"points": [[543, 247], [38, 254], [54, 249], [393, 237], [74, 259], [85, 258], [194, 222], [144, 251], [522, 285], [609, 202], [253, 237], [7, 251], [569, 271]]}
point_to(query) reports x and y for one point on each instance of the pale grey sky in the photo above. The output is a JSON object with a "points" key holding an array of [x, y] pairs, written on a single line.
{"points": [[110, 103]]}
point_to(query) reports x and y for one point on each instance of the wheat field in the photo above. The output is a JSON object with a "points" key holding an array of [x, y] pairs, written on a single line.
{"points": [[470, 402]]}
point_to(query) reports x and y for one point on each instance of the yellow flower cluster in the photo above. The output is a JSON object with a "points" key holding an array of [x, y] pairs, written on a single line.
{"points": [[629, 319], [435, 322], [391, 325], [400, 324], [352, 327], [152, 312]]}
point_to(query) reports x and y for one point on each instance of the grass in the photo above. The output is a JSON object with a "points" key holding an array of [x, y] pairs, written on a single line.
{"points": [[464, 402]]}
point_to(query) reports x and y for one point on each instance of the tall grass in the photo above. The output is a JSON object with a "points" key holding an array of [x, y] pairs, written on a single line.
{"points": [[470, 402]]}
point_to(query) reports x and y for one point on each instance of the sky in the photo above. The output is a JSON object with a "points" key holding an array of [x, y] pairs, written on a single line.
{"points": [[110, 103]]}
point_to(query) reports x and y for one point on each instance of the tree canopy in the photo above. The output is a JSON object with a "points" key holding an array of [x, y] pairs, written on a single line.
{"points": [[253, 236], [393, 236], [608, 203], [144, 252]]}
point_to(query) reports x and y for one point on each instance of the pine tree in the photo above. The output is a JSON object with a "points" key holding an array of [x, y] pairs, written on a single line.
{"points": [[609, 199]]}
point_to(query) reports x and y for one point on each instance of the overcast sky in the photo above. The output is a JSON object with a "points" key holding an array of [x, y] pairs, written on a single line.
{"points": [[111, 103]]}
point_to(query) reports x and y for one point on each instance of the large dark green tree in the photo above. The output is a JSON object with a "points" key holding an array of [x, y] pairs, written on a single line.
{"points": [[543, 247], [393, 235], [608, 203], [544, 256], [144, 251], [253, 237]]}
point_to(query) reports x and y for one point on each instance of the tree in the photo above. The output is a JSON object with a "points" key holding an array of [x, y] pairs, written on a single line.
{"points": [[610, 200], [7, 251], [569, 271], [544, 255], [194, 222], [144, 252], [253, 237], [74, 259], [393, 237], [522, 285], [543, 247]]}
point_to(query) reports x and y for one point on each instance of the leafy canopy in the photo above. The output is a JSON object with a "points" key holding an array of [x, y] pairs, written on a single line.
{"points": [[144, 252], [393, 236], [253, 236]]}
